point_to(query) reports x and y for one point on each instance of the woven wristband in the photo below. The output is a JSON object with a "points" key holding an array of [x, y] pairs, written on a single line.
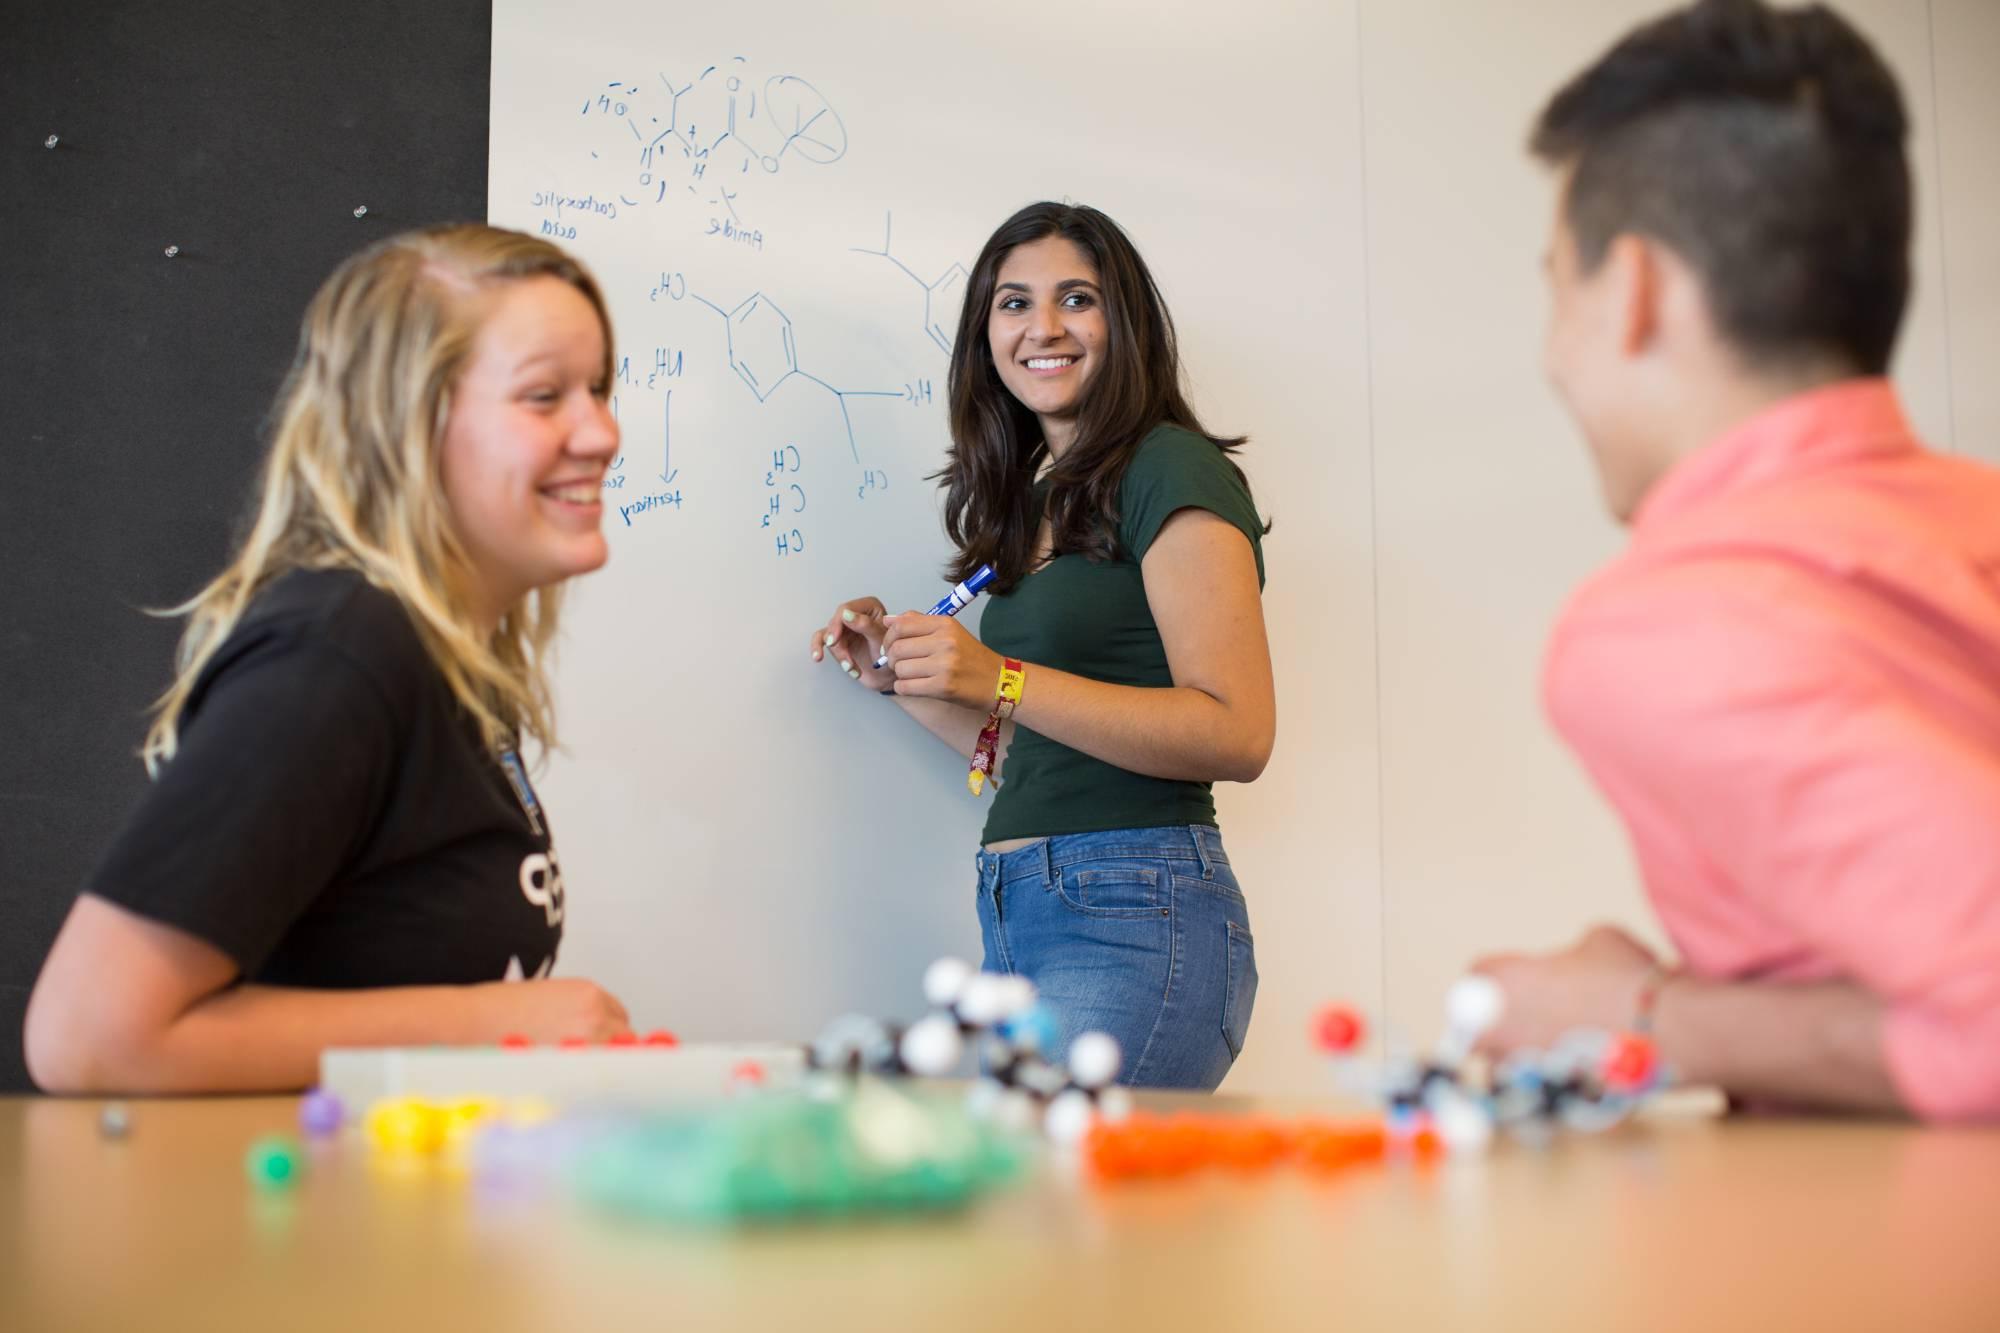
{"points": [[1006, 695]]}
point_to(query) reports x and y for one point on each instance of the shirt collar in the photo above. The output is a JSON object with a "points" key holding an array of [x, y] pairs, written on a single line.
{"points": [[1821, 428]]}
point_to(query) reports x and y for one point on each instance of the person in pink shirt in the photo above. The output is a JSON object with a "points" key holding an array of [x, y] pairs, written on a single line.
{"points": [[1789, 683]]}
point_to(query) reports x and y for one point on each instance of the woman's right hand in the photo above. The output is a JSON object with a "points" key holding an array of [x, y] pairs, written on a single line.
{"points": [[554, 1008], [853, 636]]}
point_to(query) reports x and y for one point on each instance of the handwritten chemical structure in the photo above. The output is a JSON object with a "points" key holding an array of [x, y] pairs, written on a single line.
{"points": [[763, 352], [703, 144], [786, 499], [943, 298], [758, 342], [702, 136]]}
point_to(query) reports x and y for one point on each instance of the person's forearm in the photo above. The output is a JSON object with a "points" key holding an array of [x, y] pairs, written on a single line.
{"points": [[269, 1039], [957, 727], [1175, 732], [1809, 1045]]}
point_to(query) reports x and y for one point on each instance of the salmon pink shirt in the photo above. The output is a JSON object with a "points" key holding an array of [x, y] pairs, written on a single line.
{"points": [[1789, 687]]}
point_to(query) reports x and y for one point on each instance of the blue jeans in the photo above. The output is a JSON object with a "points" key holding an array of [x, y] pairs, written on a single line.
{"points": [[1141, 933]]}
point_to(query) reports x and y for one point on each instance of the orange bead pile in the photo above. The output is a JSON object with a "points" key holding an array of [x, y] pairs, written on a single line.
{"points": [[1162, 1147]]}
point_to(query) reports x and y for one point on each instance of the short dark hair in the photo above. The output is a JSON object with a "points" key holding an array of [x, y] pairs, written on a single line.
{"points": [[1764, 147]]}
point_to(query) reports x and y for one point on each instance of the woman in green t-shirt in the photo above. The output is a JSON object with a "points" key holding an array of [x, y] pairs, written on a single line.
{"points": [[1128, 564]]}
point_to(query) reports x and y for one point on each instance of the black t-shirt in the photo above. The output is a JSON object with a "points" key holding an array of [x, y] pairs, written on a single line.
{"points": [[333, 818]]}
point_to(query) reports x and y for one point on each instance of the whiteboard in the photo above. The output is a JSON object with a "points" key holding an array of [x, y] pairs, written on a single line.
{"points": [[780, 204]]}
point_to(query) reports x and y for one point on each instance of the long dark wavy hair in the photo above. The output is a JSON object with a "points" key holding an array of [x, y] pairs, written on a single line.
{"points": [[996, 442]]}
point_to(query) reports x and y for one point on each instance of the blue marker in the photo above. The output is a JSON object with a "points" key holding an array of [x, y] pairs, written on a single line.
{"points": [[954, 601]]}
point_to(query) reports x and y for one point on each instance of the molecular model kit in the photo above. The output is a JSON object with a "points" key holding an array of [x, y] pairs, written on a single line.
{"points": [[861, 1119], [1589, 1081], [1447, 1104]]}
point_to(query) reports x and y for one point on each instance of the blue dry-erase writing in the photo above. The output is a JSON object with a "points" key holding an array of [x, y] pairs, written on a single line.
{"points": [[954, 601]]}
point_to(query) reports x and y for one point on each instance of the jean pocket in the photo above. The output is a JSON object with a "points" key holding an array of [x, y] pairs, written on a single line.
{"points": [[1112, 888], [1221, 884], [1240, 993]]}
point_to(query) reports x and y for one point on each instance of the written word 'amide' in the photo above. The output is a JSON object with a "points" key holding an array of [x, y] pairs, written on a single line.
{"points": [[729, 231]]}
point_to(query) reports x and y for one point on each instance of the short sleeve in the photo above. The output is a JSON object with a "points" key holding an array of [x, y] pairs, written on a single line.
{"points": [[1857, 819], [1176, 469], [283, 768]]}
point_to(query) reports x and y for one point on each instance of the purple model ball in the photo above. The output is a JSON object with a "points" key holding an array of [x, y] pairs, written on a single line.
{"points": [[321, 1113]]}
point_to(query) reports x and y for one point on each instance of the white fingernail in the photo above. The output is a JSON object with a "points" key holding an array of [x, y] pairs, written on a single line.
{"points": [[847, 616], [830, 638]]}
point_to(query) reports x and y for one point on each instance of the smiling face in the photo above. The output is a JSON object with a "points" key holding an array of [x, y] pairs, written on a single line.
{"points": [[527, 442], [1047, 331]]}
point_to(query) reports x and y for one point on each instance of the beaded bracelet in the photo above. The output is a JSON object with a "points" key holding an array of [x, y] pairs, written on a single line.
{"points": [[1006, 695]]}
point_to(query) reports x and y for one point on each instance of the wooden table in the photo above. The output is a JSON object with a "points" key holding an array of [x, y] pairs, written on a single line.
{"points": [[1672, 1224]]}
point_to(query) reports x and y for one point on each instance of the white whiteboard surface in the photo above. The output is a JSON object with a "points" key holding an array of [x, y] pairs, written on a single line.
{"points": [[751, 844]]}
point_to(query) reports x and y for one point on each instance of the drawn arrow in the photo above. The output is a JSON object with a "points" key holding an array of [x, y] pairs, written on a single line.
{"points": [[668, 470]]}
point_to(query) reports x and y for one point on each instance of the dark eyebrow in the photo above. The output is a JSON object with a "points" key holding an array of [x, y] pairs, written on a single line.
{"points": [[1067, 284]]}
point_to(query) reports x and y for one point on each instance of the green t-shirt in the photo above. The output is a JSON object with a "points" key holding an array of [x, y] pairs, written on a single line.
{"points": [[1092, 619]]}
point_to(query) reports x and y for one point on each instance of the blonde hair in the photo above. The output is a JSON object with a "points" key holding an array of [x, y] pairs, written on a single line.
{"points": [[352, 478]]}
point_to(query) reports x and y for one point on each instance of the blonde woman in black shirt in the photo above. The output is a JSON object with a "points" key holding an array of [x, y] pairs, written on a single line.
{"points": [[341, 845]]}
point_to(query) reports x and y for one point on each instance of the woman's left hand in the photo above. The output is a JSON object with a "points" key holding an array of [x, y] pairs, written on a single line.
{"points": [[935, 657]]}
